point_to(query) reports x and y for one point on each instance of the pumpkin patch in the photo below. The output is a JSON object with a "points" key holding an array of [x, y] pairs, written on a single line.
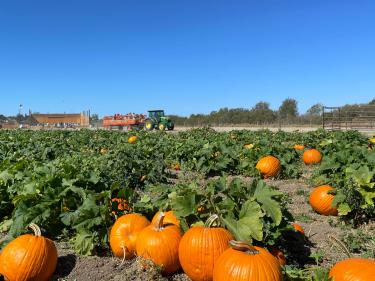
{"points": [[100, 200]]}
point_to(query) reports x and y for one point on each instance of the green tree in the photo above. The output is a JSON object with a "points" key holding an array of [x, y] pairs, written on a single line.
{"points": [[315, 110], [261, 113], [288, 109]]}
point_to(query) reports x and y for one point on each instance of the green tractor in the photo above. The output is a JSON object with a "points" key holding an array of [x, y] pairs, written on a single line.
{"points": [[157, 120]]}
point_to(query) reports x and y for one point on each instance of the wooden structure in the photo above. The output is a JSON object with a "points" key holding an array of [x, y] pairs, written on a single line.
{"points": [[60, 119], [361, 117]]}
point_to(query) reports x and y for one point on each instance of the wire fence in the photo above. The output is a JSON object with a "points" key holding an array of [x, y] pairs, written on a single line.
{"points": [[360, 118]]}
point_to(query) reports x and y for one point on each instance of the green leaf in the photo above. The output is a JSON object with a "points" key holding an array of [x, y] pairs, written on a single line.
{"points": [[249, 225], [83, 243], [145, 199], [184, 205], [344, 209], [263, 194]]}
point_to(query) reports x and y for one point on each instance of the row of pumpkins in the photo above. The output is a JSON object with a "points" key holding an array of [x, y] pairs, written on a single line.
{"points": [[320, 198], [204, 252]]}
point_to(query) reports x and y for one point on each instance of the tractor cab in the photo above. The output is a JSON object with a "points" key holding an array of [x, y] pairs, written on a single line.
{"points": [[157, 120], [156, 114]]}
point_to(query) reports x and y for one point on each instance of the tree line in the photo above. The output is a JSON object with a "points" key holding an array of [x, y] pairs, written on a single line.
{"points": [[259, 114]]}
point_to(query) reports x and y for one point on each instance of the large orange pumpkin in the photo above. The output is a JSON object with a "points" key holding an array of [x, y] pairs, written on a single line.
{"points": [[159, 243], [200, 247], [29, 257], [353, 269], [124, 234], [169, 218], [244, 262], [311, 156], [268, 166], [321, 200]]}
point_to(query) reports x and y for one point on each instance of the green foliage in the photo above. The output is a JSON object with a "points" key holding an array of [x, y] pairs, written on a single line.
{"points": [[292, 273], [253, 212], [348, 166], [65, 180]]}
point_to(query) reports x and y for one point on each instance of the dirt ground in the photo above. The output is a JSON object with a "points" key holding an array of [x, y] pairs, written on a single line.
{"points": [[255, 128], [319, 246]]}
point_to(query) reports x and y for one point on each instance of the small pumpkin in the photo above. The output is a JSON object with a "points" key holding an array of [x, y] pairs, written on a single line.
{"points": [[353, 269], [321, 200], [279, 255], [132, 139], [243, 262], [312, 156], [119, 204], [176, 166], [29, 257], [298, 228], [299, 147], [159, 243], [124, 234], [248, 146], [200, 247], [268, 166], [169, 218]]}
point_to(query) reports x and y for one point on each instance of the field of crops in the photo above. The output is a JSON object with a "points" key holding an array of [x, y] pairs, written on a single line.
{"points": [[75, 184]]}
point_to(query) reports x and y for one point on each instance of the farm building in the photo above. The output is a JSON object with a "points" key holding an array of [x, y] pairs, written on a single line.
{"points": [[60, 119]]}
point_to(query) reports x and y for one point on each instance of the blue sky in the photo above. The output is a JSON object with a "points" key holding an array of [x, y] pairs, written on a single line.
{"points": [[184, 56]]}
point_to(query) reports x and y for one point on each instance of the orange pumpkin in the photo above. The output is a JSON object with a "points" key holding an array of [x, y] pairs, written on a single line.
{"points": [[200, 247], [353, 269], [268, 166], [244, 262], [132, 139], [311, 156], [279, 255], [119, 204], [124, 234], [321, 200], [159, 243], [248, 146], [29, 257], [169, 218], [299, 147], [298, 228], [176, 166]]}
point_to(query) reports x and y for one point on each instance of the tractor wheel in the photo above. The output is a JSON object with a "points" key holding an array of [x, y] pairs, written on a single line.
{"points": [[149, 125], [161, 126], [170, 127]]}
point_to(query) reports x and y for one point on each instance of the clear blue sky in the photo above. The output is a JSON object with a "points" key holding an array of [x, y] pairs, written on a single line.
{"points": [[191, 56]]}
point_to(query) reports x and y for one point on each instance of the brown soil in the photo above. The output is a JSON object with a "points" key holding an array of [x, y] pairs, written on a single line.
{"points": [[72, 267]]}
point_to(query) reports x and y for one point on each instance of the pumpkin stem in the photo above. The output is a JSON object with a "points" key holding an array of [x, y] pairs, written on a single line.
{"points": [[159, 222], [243, 247], [124, 257], [36, 229], [210, 221]]}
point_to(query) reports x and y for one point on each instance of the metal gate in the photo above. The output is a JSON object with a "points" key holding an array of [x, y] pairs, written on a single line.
{"points": [[361, 117]]}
